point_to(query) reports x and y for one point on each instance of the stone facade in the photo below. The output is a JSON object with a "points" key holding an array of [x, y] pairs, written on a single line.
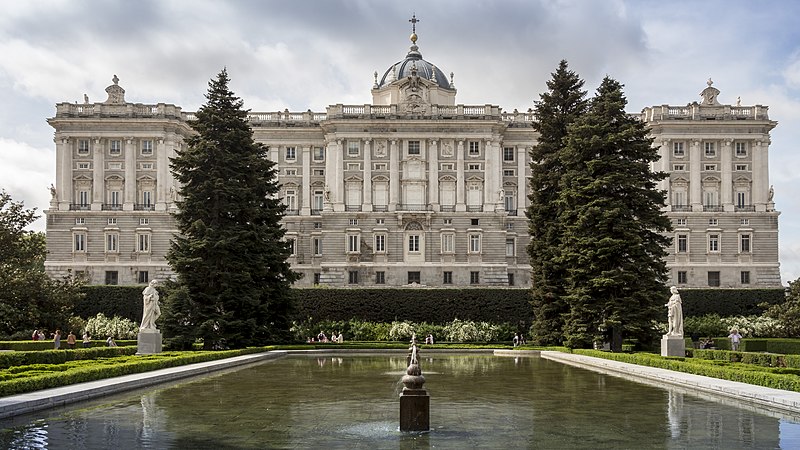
{"points": [[412, 189]]}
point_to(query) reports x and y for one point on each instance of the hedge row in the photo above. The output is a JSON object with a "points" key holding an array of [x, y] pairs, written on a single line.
{"points": [[759, 359], [744, 374], [26, 346], [127, 367], [9, 359], [769, 345], [428, 304]]}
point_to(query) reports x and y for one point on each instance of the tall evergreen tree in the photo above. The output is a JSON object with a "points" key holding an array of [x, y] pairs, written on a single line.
{"points": [[610, 209], [560, 106], [230, 254]]}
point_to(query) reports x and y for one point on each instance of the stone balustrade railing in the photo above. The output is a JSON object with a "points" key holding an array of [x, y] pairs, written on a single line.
{"points": [[696, 111], [118, 110]]}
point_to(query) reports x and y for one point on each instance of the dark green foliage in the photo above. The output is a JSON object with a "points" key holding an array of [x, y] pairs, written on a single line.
{"points": [[436, 306], [230, 253], [560, 106], [20, 358], [729, 302], [120, 301], [613, 242], [178, 317], [704, 326], [29, 299], [788, 311], [30, 346]]}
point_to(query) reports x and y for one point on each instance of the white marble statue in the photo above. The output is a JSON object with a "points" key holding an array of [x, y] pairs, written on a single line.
{"points": [[675, 313], [151, 309]]}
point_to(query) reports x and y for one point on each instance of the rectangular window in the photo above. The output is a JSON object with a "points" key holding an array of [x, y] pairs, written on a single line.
{"points": [[744, 276], [447, 277], [683, 243], [509, 202], [317, 244], [143, 243], [353, 241], [474, 243], [353, 148], [741, 167], [713, 279], [147, 166], [292, 244], [413, 148], [447, 166], [380, 243], [682, 278], [474, 278], [147, 147], [291, 153], [144, 277], [83, 147], [710, 149], [741, 151], [474, 222], [744, 241], [380, 221], [741, 199], [112, 277], [353, 166], [380, 277], [291, 172], [448, 243], [83, 198], [115, 198], [111, 221], [352, 277], [79, 242], [677, 149], [115, 147], [317, 225], [379, 166], [144, 221], [115, 166], [681, 222], [474, 148], [511, 247], [713, 222], [511, 279], [84, 165], [80, 221], [147, 198], [319, 154], [508, 154], [316, 277], [710, 167], [353, 221], [744, 221], [414, 277], [509, 172], [473, 166], [713, 243], [679, 167], [413, 243], [318, 203], [319, 172], [447, 221], [112, 242]]}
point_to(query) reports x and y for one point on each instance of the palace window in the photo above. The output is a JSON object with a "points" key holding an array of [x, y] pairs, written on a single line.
{"points": [[111, 221], [474, 166], [683, 243], [353, 221], [317, 246], [447, 277], [112, 277], [80, 221], [710, 149], [713, 279], [143, 276], [83, 147], [380, 243], [713, 222], [509, 172], [448, 243], [508, 154], [291, 153], [319, 154], [680, 222], [115, 147], [353, 243], [413, 243], [143, 242], [474, 148], [79, 242], [380, 221], [744, 277], [744, 243], [147, 147], [319, 172], [474, 277], [414, 277], [353, 148], [352, 277], [677, 149], [291, 172], [713, 243], [679, 167], [474, 243], [741, 167], [84, 165], [144, 221], [709, 167], [380, 277], [741, 149], [744, 221], [511, 247], [379, 166], [112, 242], [413, 148], [682, 277]]}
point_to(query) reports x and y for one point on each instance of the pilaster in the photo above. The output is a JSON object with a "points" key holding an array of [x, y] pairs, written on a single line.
{"points": [[129, 196], [522, 180], [695, 182], [305, 201], [162, 174], [64, 189], [394, 175], [726, 174], [433, 174], [461, 205], [367, 185], [98, 181]]}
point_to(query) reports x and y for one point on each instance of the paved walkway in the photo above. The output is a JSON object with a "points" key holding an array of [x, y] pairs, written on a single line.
{"points": [[788, 401]]}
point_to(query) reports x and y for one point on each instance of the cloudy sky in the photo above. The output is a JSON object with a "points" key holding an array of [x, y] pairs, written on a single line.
{"points": [[304, 54]]}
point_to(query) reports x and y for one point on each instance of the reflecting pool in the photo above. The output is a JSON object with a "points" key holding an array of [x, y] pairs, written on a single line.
{"points": [[477, 401]]}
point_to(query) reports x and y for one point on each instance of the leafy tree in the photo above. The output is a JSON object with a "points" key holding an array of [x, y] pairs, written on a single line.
{"points": [[230, 253], [610, 210], [560, 106], [29, 299], [787, 313]]}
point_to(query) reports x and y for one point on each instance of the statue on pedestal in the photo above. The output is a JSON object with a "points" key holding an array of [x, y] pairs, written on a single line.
{"points": [[151, 309], [675, 313]]}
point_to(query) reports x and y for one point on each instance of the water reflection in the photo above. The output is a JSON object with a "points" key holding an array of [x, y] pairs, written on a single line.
{"points": [[351, 402]]}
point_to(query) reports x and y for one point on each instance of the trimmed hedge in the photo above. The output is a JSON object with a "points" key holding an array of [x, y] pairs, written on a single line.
{"points": [[108, 369], [432, 305], [766, 377], [10, 359], [27, 346]]}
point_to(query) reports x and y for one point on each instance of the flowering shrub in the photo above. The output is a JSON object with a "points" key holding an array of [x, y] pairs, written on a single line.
{"points": [[753, 326], [101, 326], [401, 331], [469, 331]]}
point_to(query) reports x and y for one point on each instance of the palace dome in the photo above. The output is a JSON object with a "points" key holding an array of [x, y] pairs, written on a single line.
{"points": [[404, 68]]}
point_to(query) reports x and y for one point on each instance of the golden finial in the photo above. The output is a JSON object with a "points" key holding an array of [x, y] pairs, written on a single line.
{"points": [[414, 21]]}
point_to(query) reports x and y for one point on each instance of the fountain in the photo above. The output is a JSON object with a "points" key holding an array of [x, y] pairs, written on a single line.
{"points": [[415, 403]]}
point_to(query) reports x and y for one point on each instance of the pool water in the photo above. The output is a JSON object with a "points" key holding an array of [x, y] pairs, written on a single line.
{"points": [[351, 402]]}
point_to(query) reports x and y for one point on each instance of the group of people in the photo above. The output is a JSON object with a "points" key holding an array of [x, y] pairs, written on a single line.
{"points": [[322, 337], [71, 339], [519, 339]]}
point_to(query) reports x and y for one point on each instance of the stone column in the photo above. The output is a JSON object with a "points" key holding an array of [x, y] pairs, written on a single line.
{"points": [[460, 182], [760, 192], [726, 172], [64, 189], [433, 174], [367, 185], [98, 180], [330, 175], [337, 189], [522, 180], [394, 174], [305, 202], [493, 179], [695, 182], [162, 174], [662, 166], [129, 196]]}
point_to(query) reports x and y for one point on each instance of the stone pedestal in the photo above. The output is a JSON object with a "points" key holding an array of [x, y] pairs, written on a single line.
{"points": [[673, 345], [415, 410], [149, 342]]}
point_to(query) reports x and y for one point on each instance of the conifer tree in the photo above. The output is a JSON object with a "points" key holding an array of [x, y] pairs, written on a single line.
{"points": [[230, 253], [561, 105], [610, 209]]}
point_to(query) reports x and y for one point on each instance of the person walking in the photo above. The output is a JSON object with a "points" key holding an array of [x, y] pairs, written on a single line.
{"points": [[87, 339], [57, 339], [71, 340], [735, 338]]}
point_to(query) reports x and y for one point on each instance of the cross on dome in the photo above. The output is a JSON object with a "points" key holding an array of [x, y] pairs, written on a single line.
{"points": [[414, 21]]}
